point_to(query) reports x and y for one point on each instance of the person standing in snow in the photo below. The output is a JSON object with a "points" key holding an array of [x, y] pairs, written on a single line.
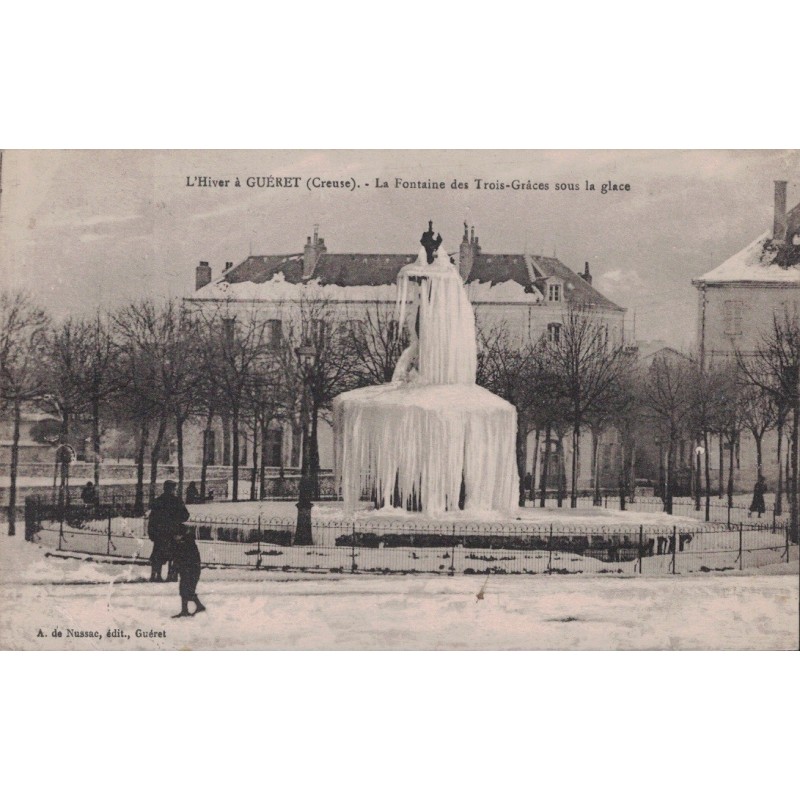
{"points": [[167, 514], [187, 564], [759, 490]]}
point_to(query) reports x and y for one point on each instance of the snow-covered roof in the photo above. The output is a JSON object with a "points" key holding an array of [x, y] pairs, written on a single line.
{"points": [[756, 262], [365, 277]]}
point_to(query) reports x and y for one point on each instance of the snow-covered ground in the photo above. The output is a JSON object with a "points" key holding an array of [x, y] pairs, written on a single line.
{"points": [[41, 590]]}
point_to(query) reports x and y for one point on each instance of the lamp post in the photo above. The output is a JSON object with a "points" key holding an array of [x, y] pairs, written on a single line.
{"points": [[699, 450], [302, 536]]}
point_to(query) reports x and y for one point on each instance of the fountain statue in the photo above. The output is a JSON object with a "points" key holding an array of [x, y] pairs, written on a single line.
{"points": [[431, 441]]}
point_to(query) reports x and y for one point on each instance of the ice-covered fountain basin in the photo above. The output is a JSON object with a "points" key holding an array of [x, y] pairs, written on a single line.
{"points": [[401, 436]]}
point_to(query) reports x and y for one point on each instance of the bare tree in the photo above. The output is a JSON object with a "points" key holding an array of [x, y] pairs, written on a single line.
{"points": [[587, 364], [375, 343], [330, 368], [161, 373], [774, 367], [667, 397], [519, 373], [23, 332]]}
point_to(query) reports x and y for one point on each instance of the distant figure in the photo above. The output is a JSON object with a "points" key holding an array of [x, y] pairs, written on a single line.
{"points": [[187, 564], [527, 482], [167, 514], [89, 494], [758, 496], [192, 494]]}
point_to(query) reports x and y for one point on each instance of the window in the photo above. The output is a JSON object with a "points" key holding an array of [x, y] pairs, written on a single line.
{"points": [[318, 330], [351, 329], [273, 447], [554, 292], [209, 446], [554, 332], [274, 332], [732, 317], [393, 329], [228, 329]]}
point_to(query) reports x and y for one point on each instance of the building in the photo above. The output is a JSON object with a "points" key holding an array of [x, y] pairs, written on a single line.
{"points": [[737, 303], [526, 294]]}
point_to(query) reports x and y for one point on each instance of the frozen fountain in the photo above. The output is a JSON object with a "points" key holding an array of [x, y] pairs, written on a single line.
{"points": [[431, 441]]}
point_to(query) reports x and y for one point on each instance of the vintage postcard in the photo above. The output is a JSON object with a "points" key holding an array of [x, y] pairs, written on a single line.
{"points": [[399, 400]]}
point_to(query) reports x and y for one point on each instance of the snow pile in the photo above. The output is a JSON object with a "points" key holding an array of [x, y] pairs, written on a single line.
{"points": [[754, 263], [412, 442]]}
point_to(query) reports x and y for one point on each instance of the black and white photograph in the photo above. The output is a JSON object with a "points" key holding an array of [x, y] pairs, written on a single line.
{"points": [[399, 399]]}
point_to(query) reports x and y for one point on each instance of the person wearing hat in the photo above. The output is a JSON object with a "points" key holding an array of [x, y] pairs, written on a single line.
{"points": [[187, 564], [167, 515]]}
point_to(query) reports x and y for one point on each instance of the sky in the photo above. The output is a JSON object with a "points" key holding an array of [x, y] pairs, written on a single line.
{"points": [[81, 229]]}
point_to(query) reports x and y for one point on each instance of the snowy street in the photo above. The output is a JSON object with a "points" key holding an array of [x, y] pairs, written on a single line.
{"points": [[756, 609]]}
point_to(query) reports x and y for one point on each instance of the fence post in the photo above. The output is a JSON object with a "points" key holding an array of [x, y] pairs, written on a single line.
{"points": [[550, 550], [740, 545], [786, 531], [258, 542], [641, 546], [674, 545]]}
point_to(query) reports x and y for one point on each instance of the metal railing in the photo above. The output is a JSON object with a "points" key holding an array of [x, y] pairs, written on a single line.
{"points": [[367, 546]]}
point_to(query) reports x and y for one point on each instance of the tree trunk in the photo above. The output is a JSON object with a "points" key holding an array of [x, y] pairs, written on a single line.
{"points": [[779, 488], [573, 495], [730, 471], [96, 439], [235, 448], [794, 511], [721, 466], [255, 458], [262, 471], [154, 453], [314, 452], [598, 500], [12, 488], [562, 472], [708, 475], [206, 455], [63, 492], [144, 435], [759, 454], [545, 465], [668, 476], [179, 440], [520, 451], [535, 467]]}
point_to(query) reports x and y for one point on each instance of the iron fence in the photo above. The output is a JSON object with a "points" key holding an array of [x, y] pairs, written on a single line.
{"points": [[399, 547]]}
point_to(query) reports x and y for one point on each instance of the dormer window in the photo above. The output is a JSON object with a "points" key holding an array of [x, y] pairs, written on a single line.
{"points": [[554, 292]]}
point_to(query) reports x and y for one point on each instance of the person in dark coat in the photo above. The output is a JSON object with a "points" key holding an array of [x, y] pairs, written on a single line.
{"points": [[89, 494], [192, 494], [187, 564], [758, 496], [167, 514]]}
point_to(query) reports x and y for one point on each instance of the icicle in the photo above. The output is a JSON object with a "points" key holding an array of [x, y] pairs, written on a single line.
{"points": [[418, 438]]}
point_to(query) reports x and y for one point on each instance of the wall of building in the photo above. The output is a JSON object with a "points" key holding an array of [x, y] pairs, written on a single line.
{"points": [[734, 316]]}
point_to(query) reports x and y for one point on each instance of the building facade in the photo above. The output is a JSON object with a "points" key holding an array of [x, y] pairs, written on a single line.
{"points": [[524, 294], [738, 302]]}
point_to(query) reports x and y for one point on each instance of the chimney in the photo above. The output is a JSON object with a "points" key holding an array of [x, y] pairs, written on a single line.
{"points": [[779, 224], [587, 276], [467, 253], [228, 265], [202, 276], [314, 248]]}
